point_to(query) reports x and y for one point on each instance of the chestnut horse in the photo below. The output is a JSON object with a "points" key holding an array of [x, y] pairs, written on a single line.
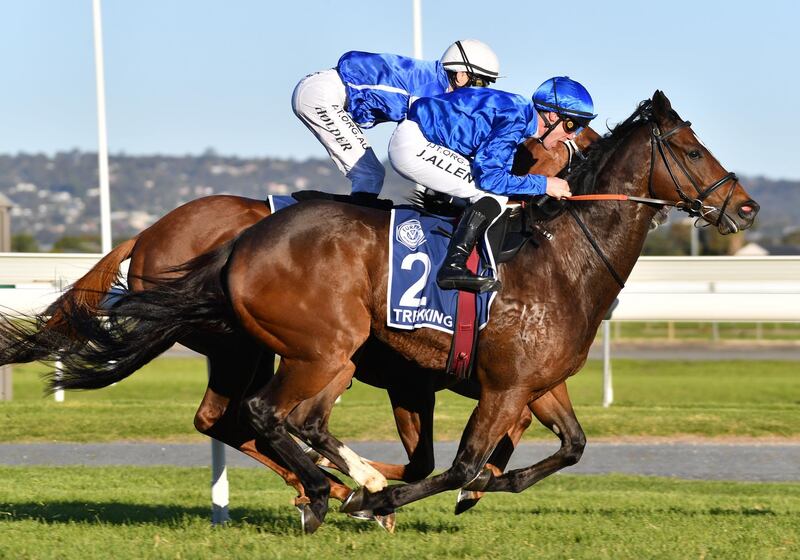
{"points": [[310, 284], [235, 362]]}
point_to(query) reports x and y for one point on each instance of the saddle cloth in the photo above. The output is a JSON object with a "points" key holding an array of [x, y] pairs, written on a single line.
{"points": [[417, 248]]}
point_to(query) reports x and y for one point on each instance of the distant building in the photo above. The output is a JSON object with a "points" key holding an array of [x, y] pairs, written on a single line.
{"points": [[756, 250], [752, 250]]}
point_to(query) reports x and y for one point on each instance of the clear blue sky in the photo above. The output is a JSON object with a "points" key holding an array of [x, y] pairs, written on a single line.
{"points": [[186, 75]]}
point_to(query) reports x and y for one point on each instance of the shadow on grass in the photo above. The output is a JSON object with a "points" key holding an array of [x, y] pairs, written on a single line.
{"points": [[284, 520], [120, 513]]}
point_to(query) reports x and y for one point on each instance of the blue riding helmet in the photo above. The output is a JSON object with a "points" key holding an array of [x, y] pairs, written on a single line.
{"points": [[566, 97]]}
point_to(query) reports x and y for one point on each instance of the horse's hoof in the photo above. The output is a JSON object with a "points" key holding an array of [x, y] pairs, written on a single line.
{"points": [[363, 515], [467, 499], [387, 521], [480, 482], [355, 501], [308, 519]]}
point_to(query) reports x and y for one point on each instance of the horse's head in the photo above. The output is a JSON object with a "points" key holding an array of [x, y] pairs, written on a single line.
{"points": [[683, 170], [533, 157]]}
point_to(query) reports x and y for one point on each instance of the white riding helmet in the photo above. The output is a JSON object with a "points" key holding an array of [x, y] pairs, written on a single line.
{"points": [[473, 57]]}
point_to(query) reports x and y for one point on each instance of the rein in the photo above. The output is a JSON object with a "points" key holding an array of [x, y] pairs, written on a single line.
{"points": [[692, 206]]}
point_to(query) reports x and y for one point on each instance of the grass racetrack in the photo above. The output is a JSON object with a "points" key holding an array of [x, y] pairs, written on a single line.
{"points": [[158, 512], [164, 513], [652, 399]]}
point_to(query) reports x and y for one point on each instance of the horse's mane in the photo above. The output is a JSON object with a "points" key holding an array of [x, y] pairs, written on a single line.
{"points": [[583, 177]]}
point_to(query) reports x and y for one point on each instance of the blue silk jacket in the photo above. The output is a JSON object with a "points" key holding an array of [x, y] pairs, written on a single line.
{"points": [[380, 87], [485, 125]]}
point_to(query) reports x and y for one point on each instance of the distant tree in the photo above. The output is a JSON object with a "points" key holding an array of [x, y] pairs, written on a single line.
{"points": [[714, 243], [792, 238], [671, 240], [24, 243], [77, 244]]}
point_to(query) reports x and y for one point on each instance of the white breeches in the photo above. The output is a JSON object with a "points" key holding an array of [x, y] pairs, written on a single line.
{"points": [[433, 166], [319, 101]]}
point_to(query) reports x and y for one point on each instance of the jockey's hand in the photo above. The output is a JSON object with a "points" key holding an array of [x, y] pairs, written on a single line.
{"points": [[557, 188]]}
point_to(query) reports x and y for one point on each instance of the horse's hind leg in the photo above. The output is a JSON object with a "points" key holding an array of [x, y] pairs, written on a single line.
{"points": [[412, 406], [412, 395], [219, 411], [554, 410], [267, 410], [310, 422]]}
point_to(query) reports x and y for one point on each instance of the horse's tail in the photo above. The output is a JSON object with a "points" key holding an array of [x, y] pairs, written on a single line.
{"points": [[87, 293], [142, 325], [24, 340]]}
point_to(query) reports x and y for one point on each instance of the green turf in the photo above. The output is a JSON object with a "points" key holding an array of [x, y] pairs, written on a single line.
{"points": [[709, 399], [74, 512], [660, 330]]}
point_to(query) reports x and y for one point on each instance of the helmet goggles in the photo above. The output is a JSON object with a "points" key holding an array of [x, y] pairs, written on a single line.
{"points": [[573, 125], [480, 81]]}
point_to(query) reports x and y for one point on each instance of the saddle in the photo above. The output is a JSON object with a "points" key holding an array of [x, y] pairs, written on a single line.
{"points": [[518, 225], [358, 199], [523, 218]]}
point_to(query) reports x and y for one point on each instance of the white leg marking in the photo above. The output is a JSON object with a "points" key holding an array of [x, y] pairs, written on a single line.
{"points": [[361, 472]]}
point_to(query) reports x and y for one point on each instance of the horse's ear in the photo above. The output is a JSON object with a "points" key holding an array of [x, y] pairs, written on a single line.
{"points": [[661, 104]]}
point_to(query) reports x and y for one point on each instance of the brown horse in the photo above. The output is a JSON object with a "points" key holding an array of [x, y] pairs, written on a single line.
{"points": [[310, 284], [236, 363]]}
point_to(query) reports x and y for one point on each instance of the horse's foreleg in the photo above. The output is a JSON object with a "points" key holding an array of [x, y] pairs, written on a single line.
{"points": [[554, 410], [497, 462], [494, 416], [412, 406]]}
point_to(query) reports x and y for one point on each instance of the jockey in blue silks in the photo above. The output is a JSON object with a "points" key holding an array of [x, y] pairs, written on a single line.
{"points": [[366, 89], [463, 144]]}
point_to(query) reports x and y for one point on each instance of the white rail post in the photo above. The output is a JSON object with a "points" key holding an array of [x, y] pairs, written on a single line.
{"points": [[219, 479], [219, 484], [58, 394], [608, 389], [6, 379]]}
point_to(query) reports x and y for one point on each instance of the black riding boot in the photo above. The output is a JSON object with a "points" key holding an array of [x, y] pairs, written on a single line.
{"points": [[454, 274]]}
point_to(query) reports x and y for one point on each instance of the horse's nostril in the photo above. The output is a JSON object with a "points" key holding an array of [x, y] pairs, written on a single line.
{"points": [[748, 211]]}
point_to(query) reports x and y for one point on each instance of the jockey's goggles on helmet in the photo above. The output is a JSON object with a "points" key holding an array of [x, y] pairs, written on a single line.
{"points": [[480, 81], [573, 125]]}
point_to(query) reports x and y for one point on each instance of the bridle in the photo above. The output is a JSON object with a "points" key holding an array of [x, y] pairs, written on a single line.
{"points": [[693, 206]]}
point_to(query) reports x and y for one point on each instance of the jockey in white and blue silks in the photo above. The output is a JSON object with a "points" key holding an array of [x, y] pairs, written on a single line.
{"points": [[366, 89], [463, 144]]}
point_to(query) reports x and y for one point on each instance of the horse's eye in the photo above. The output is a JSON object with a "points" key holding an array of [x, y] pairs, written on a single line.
{"points": [[695, 154]]}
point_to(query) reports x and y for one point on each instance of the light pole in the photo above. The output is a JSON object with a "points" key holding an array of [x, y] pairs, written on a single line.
{"points": [[417, 28], [102, 135]]}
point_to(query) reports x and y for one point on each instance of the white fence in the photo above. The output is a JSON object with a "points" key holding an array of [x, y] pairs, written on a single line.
{"points": [[31, 281], [659, 288], [718, 289]]}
